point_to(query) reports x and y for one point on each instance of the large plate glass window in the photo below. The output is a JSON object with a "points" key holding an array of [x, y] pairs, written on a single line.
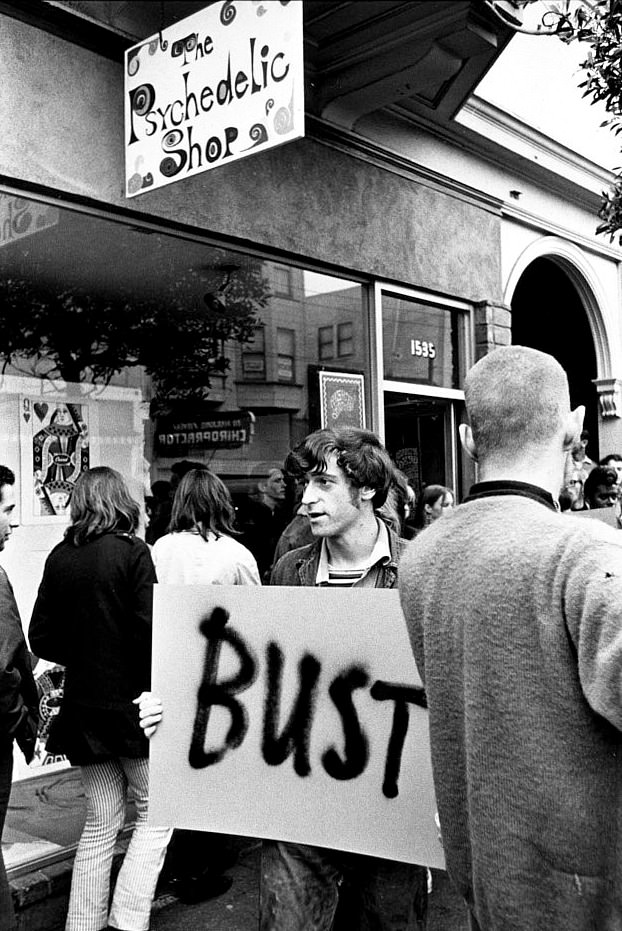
{"points": [[422, 343]]}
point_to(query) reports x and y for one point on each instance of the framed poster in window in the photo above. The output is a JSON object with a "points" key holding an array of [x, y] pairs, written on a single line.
{"points": [[341, 399], [55, 450]]}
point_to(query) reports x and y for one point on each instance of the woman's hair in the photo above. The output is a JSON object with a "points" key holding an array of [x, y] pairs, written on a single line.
{"points": [[202, 502], [429, 495], [101, 503], [396, 509]]}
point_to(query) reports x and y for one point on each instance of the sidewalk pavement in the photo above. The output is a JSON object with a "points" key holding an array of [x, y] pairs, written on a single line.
{"points": [[45, 819]]}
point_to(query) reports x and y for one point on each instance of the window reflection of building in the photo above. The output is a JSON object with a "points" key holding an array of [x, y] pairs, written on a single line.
{"points": [[286, 349], [254, 356]]}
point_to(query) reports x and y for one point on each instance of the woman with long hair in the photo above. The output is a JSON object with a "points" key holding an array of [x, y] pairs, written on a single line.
{"points": [[200, 548], [433, 502], [93, 616]]}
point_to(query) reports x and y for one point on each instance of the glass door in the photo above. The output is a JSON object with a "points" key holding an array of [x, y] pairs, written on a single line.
{"points": [[419, 435], [423, 342]]}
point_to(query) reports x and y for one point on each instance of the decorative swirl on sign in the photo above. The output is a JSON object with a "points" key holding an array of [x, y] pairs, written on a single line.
{"points": [[187, 44], [143, 98], [135, 183], [173, 137], [269, 105], [284, 120], [258, 134], [169, 167], [227, 13], [133, 64]]}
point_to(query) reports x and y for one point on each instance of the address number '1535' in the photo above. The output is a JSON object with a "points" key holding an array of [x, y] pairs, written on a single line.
{"points": [[422, 347]]}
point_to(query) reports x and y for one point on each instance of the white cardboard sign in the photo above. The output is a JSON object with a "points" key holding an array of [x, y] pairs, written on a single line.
{"points": [[295, 714], [221, 84]]}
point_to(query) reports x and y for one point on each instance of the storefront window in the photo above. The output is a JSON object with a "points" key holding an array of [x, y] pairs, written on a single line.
{"points": [[156, 348], [422, 343]]}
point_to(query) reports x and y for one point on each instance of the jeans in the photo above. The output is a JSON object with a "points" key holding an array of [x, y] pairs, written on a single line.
{"points": [[314, 889], [7, 915], [105, 786]]}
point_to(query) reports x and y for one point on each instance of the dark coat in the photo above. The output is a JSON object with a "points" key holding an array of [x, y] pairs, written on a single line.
{"points": [[93, 616], [18, 692]]}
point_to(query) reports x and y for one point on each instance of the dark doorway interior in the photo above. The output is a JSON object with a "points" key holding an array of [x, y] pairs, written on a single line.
{"points": [[547, 314]]}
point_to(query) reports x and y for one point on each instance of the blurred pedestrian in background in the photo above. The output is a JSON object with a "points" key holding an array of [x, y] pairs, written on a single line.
{"points": [[18, 693], [433, 502], [93, 616], [601, 489], [262, 519], [158, 506], [613, 461]]}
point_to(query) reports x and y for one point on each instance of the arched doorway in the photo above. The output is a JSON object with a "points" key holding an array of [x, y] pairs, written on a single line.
{"points": [[548, 314]]}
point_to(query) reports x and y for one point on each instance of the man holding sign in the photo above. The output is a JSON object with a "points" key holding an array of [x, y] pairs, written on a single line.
{"points": [[515, 617], [348, 474]]}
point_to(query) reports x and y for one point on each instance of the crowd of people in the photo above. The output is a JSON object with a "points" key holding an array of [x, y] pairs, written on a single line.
{"points": [[513, 616], [589, 485]]}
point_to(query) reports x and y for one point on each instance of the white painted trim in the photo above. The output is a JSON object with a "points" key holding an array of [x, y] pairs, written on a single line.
{"points": [[576, 265], [523, 140], [426, 297], [544, 226], [426, 391]]}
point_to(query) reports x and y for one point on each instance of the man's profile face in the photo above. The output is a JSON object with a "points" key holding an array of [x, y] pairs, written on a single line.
{"points": [[329, 501], [274, 486], [8, 520]]}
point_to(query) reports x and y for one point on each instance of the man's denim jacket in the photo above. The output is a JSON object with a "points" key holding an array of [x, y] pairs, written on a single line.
{"points": [[299, 567]]}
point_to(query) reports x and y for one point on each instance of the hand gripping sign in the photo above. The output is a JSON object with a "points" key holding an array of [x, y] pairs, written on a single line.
{"points": [[292, 713]]}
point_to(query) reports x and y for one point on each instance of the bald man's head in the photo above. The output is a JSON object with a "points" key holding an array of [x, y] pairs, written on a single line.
{"points": [[517, 399]]}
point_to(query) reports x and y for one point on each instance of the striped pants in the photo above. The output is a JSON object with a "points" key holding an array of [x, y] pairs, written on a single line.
{"points": [[106, 785]]}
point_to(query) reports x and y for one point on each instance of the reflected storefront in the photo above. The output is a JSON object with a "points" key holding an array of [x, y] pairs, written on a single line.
{"points": [[131, 346], [158, 346]]}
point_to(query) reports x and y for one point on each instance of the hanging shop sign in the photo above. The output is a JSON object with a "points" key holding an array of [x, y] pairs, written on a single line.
{"points": [[287, 715], [214, 431], [219, 85]]}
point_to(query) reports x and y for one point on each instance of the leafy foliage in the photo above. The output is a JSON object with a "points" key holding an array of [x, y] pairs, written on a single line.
{"points": [[599, 25], [179, 338]]}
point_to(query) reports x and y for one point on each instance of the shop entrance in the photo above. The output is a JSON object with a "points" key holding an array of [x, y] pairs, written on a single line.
{"points": [[420, 436], [548, 314], [424, 355]]}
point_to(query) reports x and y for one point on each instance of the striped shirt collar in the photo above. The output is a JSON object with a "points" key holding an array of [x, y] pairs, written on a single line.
{"points": [[380, 555]]}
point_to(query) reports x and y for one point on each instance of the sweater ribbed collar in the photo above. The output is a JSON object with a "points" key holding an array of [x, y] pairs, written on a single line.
{"points": [[508, 487]]}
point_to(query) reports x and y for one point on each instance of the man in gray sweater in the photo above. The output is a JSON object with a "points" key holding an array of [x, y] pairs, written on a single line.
{"points": [[515, 617]]}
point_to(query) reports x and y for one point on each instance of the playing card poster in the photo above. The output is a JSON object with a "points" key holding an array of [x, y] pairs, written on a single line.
{"points": [[57, 449]]}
